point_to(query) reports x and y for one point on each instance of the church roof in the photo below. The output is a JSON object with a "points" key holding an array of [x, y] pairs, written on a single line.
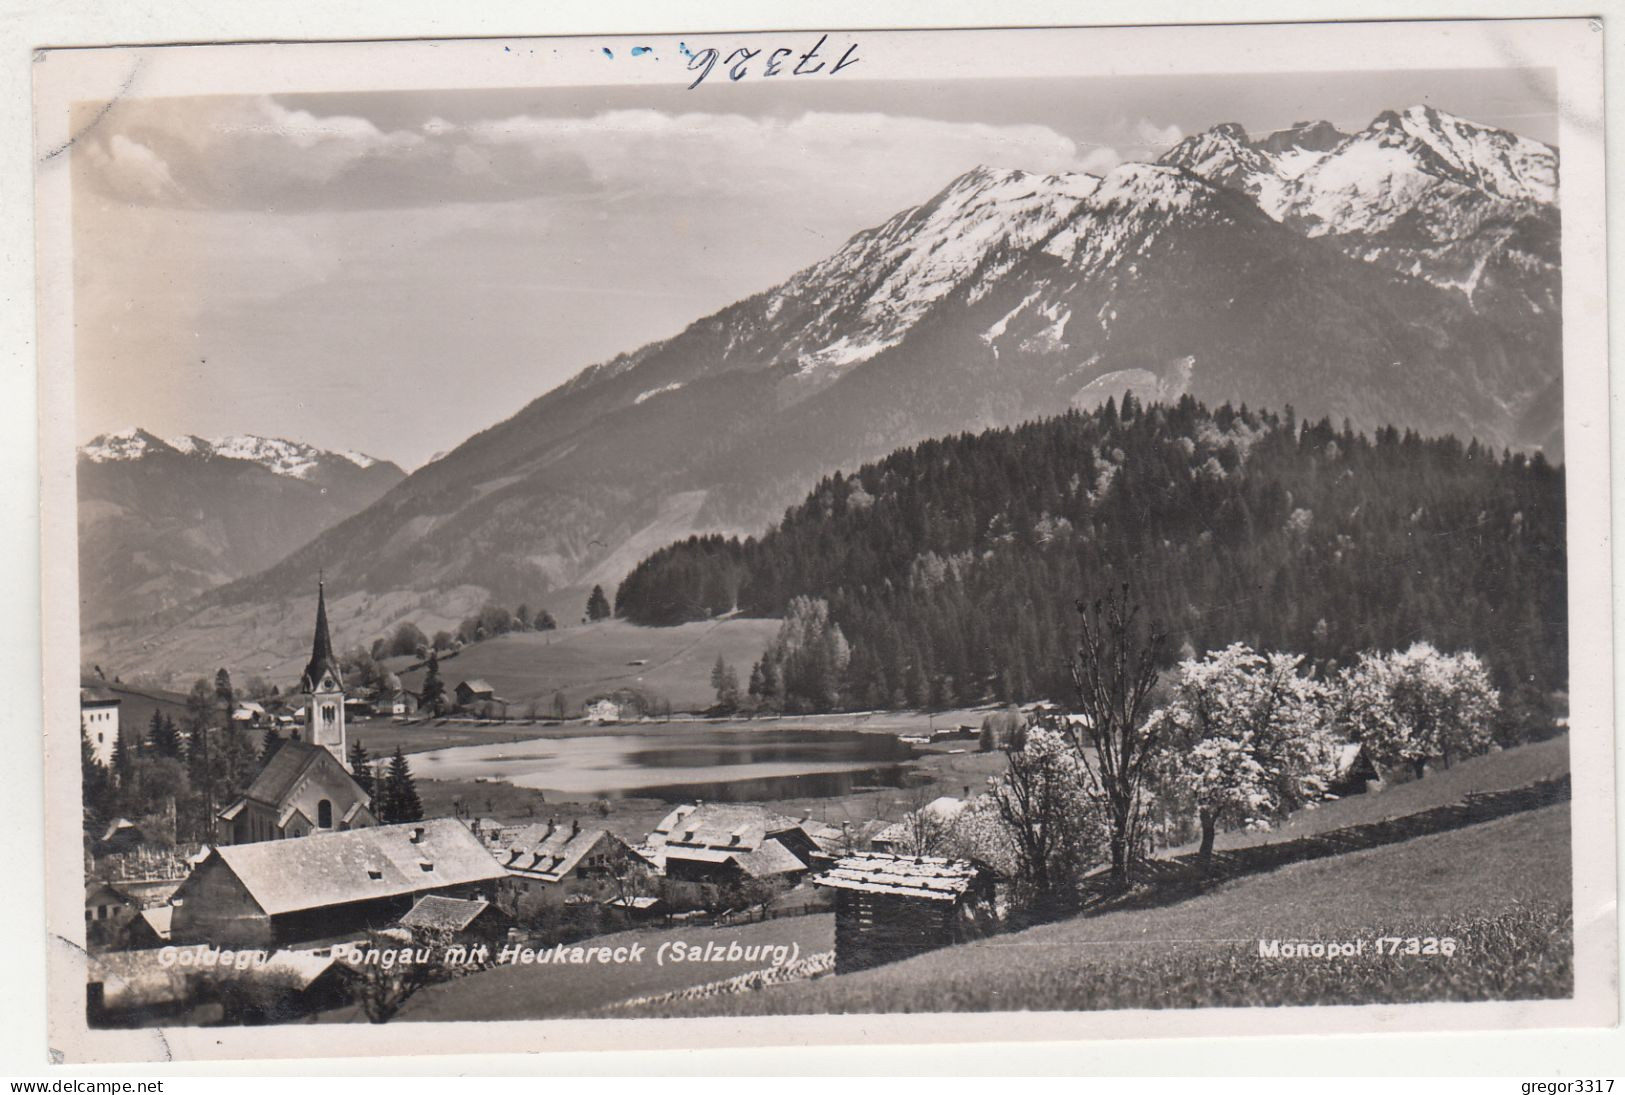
{"points": [[322, 658], [285, 768]]}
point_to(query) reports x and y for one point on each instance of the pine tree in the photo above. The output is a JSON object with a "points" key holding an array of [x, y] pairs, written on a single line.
{"points": [[269, 744], [403, 794], [383, 805], [222, 689], [598, 604], [93, 785], [165, 738], [121, 761], [361, 766], [433, 693]]}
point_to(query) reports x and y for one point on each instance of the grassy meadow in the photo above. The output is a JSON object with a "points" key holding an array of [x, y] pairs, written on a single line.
{"points": [[586, 660], [1501, 889]]}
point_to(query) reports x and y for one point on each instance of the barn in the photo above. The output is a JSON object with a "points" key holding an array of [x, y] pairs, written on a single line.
{"points": [[890, 907], [329, 884]]}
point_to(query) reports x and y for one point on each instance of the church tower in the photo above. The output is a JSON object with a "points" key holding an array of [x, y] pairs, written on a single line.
{"points": [[323, 687]]}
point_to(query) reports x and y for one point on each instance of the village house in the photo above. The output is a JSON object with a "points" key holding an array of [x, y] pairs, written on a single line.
{"points": [[924, 831], [889, 907], [471, 693], [249, 713], [98, 715], [328, 885], [138, 988], [397, 703], [108, 912], [301, 790], [726, 843], [468, 920], [552, 864]]}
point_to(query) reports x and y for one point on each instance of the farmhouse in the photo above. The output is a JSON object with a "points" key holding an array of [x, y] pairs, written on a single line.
{"points": [[922, 831], [249, 713], [98, 716], [107, 911], [1356, 772], [725, 844], [550, 864], [466, 918], [891, 907], [472, 692], [300, 791], [329, 884], [141, 988]]}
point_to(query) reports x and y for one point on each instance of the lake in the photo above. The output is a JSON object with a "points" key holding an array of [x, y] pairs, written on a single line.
{"points": [[682, 764]]}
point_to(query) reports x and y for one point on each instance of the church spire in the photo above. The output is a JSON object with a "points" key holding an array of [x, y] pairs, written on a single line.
{"points": [[322, 660]]}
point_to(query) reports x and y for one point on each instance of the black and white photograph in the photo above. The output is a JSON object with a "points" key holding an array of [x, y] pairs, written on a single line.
{"points": [[1107, 524]]}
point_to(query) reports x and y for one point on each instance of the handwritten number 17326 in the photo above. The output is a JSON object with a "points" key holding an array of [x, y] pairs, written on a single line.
{"points": [[774, 62]]}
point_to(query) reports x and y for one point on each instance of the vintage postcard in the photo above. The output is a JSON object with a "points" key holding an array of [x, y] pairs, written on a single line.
{"points": [[719, 538]]}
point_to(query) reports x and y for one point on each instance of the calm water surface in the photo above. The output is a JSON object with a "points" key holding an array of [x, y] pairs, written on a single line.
{"points": [[679, 764]]}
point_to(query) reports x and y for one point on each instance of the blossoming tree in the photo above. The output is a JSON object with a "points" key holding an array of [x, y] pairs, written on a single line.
{"points": [[1419, 705], [1244, 739]]}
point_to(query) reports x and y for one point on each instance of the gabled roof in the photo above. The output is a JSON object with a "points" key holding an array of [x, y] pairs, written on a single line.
{"points": [[287, 766], [476, 686], [324, 869], [322, 658], [930, 877], [548, 852], [452, 914], [772, 858], [730, 826]]}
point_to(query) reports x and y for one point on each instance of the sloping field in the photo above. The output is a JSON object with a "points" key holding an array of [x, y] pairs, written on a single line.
{"points": [[586, 660], [1501, 890], [1499, 771]]}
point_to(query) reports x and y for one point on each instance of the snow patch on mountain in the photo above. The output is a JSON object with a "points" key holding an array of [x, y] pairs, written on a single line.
{"points": [[652, 392]]}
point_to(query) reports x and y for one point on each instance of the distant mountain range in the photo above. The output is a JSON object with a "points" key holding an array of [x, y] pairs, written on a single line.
{"points": [[160, 521], [1406, 274]]}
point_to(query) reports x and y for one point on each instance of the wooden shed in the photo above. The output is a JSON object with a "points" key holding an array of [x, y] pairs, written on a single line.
{"points": [[890, 907]]}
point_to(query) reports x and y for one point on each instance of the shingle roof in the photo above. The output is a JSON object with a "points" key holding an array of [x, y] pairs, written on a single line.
{"points": [[477, 686], [548, 852], [443, 913], [323, 869], [931, 877], [770, 859], [736, 827]]}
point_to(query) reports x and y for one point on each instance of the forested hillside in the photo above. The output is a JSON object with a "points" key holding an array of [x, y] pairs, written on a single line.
{"points": [[951, 567]]}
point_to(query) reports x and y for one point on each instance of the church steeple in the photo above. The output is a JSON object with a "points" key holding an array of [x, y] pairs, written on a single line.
{"points": [[322, 660], [323, 686]]}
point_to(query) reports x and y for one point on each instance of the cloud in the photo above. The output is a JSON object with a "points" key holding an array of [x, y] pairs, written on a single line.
{"points": [[141, 174], [1149, 135], [261, 152]]}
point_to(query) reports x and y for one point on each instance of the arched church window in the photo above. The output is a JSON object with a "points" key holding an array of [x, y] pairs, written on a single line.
{"points": [[324, 814]]}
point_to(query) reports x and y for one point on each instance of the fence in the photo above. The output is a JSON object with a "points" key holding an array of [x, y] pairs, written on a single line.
{"points": [[816, 965]]}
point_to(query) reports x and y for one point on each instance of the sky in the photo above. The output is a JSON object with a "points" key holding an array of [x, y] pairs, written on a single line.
{"points": [[391, 272]]}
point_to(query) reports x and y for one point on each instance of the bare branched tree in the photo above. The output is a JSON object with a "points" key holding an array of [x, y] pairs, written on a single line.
{"points": [[1113, 675]]}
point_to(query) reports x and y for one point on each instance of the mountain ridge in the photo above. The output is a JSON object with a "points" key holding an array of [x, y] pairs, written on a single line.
{"points": [[1007, 295]]}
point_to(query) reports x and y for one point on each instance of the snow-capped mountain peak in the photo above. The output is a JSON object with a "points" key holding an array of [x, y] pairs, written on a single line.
{"points": [[130, 443], [866, 296], [291, 458]]}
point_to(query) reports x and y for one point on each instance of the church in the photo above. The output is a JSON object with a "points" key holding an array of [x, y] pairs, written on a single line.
{"points": [[305, 788]]}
